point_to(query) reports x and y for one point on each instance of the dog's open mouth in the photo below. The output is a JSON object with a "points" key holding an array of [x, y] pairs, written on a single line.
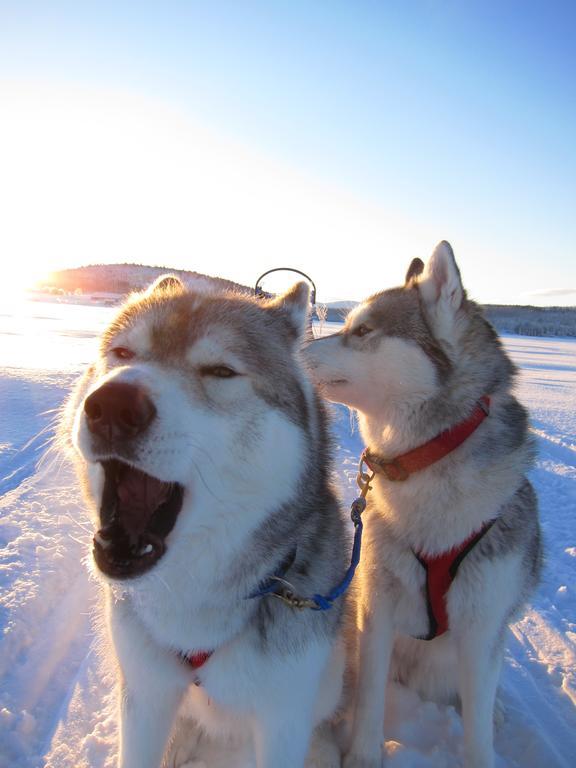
{"points": [[137, 513]]}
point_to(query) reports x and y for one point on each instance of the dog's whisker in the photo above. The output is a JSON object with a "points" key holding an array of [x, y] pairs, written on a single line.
{"points": [[51, 425], [205, 483], [85, 528], [161, 580], [192, 578], [206, 453]]}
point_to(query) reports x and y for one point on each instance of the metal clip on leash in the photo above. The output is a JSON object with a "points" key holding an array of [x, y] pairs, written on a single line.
{"points": [[288, 595], [363, 480], [287, 592]]}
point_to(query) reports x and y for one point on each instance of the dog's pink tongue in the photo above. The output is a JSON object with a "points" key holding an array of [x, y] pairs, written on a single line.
{"points": [[139, 495]]}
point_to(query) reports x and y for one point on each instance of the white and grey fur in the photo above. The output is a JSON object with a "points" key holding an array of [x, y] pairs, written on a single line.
{"points": [[414, 361], [252, 454]]}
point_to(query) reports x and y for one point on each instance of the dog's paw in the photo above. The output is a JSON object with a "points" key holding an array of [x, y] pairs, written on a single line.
{"points": [[354, 760]]}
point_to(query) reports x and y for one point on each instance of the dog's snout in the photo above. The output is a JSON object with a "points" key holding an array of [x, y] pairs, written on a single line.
{"points": [[119, 410]]}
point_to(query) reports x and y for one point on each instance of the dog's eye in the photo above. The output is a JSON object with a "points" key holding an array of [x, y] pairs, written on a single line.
{"points": [[219, 371], [362, 330], [122, 353]]}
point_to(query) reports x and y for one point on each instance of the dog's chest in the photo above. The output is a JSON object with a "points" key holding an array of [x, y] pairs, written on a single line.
{"points": [[434, 514], [420, 588], [397, 576], [189, 620], [408, 596]]}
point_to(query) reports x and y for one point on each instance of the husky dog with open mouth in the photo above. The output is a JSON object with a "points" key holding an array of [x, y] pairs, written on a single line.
{"points": [[203, 452], [452, 539]]}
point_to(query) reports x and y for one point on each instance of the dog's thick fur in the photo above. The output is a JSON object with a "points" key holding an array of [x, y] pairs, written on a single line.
{"points": [[414, 361], [231, 419]]}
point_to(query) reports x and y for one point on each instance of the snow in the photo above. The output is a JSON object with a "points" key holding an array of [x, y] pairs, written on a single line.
{"points": [[57, 699]]}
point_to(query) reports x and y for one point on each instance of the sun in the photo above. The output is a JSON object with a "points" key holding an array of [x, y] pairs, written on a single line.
{"points": [[15, 283]]}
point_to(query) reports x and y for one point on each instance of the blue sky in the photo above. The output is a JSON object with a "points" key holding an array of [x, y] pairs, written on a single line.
{"points": [[374, 128]]}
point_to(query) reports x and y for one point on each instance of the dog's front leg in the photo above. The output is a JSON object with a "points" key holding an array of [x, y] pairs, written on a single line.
{"points": [[147, 711], [285, 709], [374, 651], [283, 742], [153, 682], [479, 661]]}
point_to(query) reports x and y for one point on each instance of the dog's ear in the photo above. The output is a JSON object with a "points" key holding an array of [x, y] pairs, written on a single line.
{"points": [[294, 305], [166, 283], [414, 270], [440, 283]]}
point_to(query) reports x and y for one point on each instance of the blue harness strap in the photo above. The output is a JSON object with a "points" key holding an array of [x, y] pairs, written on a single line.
{"points": [[279, 587], [323, 602]]}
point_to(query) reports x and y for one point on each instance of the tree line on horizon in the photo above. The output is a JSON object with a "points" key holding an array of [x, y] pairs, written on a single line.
{"points": [[124, 278]]}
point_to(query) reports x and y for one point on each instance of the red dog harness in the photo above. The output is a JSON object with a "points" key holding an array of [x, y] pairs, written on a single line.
{"points": [[440, 573], [440, 569]]}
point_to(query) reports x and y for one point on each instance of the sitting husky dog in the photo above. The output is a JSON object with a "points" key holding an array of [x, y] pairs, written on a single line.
{"points": [[203, 452], [452, 540]]}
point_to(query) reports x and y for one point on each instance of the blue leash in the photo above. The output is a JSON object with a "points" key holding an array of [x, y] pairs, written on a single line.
{"points": [[282, 589]]}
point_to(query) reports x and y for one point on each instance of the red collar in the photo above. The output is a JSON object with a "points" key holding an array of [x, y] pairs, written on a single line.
{"points": [[401, 467]]}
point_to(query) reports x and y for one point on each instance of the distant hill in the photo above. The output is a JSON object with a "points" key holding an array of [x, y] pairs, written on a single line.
{"points": [[123, 278]]}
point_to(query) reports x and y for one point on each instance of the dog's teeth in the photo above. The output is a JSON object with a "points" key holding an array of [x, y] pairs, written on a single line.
{"points": [[104, 543], [146, 550]]}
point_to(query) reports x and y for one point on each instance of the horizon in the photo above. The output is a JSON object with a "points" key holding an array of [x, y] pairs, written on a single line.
{"points": [[40, 285], [341, 139]]}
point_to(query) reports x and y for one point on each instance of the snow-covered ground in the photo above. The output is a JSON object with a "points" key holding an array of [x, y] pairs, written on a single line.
{"points": [[57, 703]]}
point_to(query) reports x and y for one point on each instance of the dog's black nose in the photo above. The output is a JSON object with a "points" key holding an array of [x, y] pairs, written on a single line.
{"points": [[118, 410]]}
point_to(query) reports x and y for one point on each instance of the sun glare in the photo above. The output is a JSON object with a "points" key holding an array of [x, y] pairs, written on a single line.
{"points": [[99, 177], [15, 282]]}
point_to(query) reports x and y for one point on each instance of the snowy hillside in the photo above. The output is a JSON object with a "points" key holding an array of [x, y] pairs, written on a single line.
{"points": [[57, 704], [123, 278]]}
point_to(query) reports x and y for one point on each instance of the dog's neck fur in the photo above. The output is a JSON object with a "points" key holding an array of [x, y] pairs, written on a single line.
{"points": [[393, 431]]}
